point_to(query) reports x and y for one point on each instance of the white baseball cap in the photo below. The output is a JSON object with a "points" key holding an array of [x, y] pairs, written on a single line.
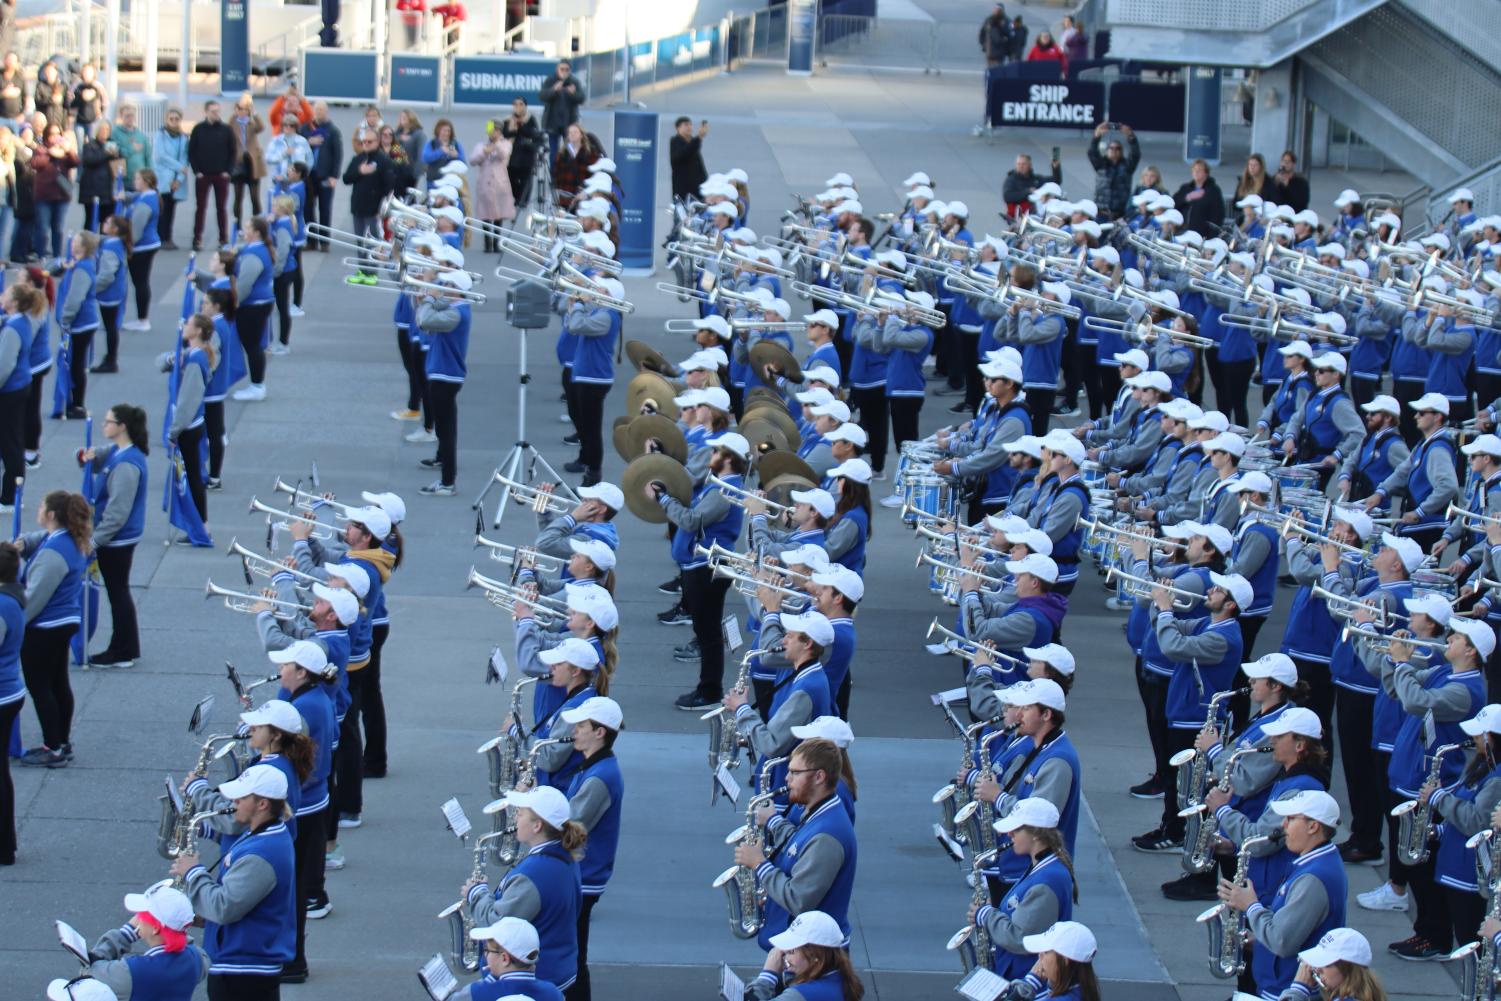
{"points": [[852, 433], [1487, 720], [917, 177], [1431, 401], [1349, 196], [1487, 443], [1034, 811], [392, 504], [842, 579], [275, 712], [1136, 357], [1297, 348], [821, 373], [1432, 605], [716, 323], [830, 728], [1159, 381], [1034, 539], [1069, 939], [837, 409], [598, 709], [852, 469], [515, 935], [352, 574], [1180, 409], [1383, 404], [814, 625], [1055, 655], [809, 928], [1479, 632], [1218, 535], [266, 781], [819, 500], [547, 803], [1041, 692], [578, 652], [734, 442], [166, 903], [1226, 442], [598, 553], [1355, 518], [607, 494], [1303, 722], [689, 398], [1069, 446], [1238, 587], [304, 653], [1406, 549], [595, 602], [806, 555], [716, 397], [824, 317], [1331, 360], [1315, 804], [1039, 566], [1276, 666], [345, 605], [1254, 482], [88, 989], [1212, 420], [1003, 368], [1338, 945], [815, 397]]}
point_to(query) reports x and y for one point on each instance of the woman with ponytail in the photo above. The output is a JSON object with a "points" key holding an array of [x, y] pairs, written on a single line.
{"points": [[1045, 895], [592, 617], [1064, 970], [15, 386], [188, 414], [545, 887], [1336, 968], [170, 967], [278, 736], [34, 297], [119, 475], [808, 962], [575, 671], [56, 558]]}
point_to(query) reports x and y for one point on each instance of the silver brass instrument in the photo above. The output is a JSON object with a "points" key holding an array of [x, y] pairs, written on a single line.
{"points": [[279, 519], [185, 840], [1226, 925], [1381, 642], [306, 500], [508, 850], [953, 797], [1475, 521], [1487, 848], [1415, 817], [1198, 840], [977, 816], [1344, 607], [739, 495], [743, 893], [466, 952], [972, 942], [239, 601], [1478, 975], [1141, 589], [960, 646], [560, 501], [503, 753], [169, 834], [1193, 781], [548, 611], [519, 558], [725, 741], [260, 565]]}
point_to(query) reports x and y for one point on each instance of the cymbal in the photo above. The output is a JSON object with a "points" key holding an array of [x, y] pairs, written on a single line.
{"points": [[617, 433], [646, 469], [649, 386], [779, 488], [778, 464], [764, 353], [779, 417], [758, 396], [764, 436], [648, 359], [664, 429]]}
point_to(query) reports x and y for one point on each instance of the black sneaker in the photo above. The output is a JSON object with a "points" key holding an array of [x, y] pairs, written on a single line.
{"points": [[34, 461], [674, 586], [105, 368], [572, 439], [959, 408], [108, 658], [949, 391], [591, 477], [574, 467], [1417, 950], [294, 973], [76, 413], [319, 908], [430, 463], [675, 616], [1158, 839], [1199, 886], [197, 244], [687, 653], [1150, 789], [697, 701], [44, 757], [1352, 854]]}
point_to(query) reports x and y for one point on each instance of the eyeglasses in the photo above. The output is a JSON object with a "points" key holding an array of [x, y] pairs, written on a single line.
{"points": [[802, 771], [493, 951]]}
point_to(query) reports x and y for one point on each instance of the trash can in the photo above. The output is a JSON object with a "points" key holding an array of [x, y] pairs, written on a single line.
{"points": [[151, 110]]}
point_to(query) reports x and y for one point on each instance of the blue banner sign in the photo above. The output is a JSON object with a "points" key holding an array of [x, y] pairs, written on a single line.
{"points": [[340, 74], [636, 169], [416, 79], [234, 46], [496, 81], [1201, 115]]}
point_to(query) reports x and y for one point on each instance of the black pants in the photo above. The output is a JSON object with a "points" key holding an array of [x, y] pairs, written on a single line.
{"points": [[114, 567], [187, 444], [13, 441], [904, 411], [218, 185], [1174, 740], [1268, 390], [1153, 691], [1406, 391], [411, 361], [1320, 698], [140, 280], [167, 215], [1072, 363], [213, 426], [1094, 388], [8, 714], [521, 185], [1110, 386], [44, 663], [763, 690], [1466, 912], [1040, 406], [297, 277], [872, 405], [445, 397], [589, 421], [242, 184], [579, 991], [969, 367], [78, 366], [1353, 719], [34, 411], [570, 398], [842, 697], [373, 707], [243, 987], [703, 600], [109, 319], [1250, 628], [350, 761], [324, 204], [427, 390], [250, 325], [308, 851], [1230, 392], [1363, 391], [281, 287], [1432, 919]]}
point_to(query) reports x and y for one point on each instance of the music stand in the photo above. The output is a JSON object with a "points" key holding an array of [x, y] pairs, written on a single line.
{"points": [[527, 308]]}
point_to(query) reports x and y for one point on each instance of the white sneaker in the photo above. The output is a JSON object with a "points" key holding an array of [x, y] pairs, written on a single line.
{"points": [[1383, 898], [252, 392], [279, 349], [296, 310], [136, 325], [894, 500], [564, 419], [420, 436]]}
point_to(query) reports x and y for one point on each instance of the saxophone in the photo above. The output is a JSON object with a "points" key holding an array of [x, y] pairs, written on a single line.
{"points": [[464, 951], [1487, 848], [743, 893], [975, 818], [1415, 818], [1227, 926], [508, 847], [952, 797], [168, 833], [972, 942], [1200, 830], [503, 753], [1477, 977], [1193, 781], [185, 837], [724, 736]]}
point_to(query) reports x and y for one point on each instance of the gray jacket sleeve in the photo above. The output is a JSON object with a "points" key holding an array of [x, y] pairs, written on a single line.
{"points": [[1006, 633], [225, 901], [1445, 483], [710, 508], [1034, 914], [1207, 647], [437, 317], [1286, 931], [1448, 703], [1255, 550], [1239, 828], [894, 335], [554, 756], [840, 537], [109, 266], [122, 483], [10, 352], [249, 269], [774, 738], [1031, 329], [812, 874], [1131, 454], [983, 692], [78, 293], [140, 214], [109, 966], [190, 389], [1351, 429], [1396, 483], [588, 321], [281, 246], [589, 803], [518, 898], [46, 572], [531, 640], [555, 535], [1469, 818]]}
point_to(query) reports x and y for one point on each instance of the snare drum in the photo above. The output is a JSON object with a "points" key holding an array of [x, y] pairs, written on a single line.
{"points": [[927, 492], [1435, 582]]}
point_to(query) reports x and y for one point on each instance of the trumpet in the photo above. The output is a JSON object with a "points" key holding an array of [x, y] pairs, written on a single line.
{"points": [[1342, 607], [308, 501], [265, 566], [560, 501], [748, 584], [549, 612], [320, 530], [1476, 521], [596, 296], [1141, 589], [1098, 528], [1381, 642], [943, 543], [520, 557], [962, 650], [239, 601], [926, 558], [1293, 525], [739, 495]]}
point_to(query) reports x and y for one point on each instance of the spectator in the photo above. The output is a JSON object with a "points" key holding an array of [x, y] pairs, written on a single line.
{"points": [[525, 136], [1021, 181], [135, 147], [1254, 180], [403, 172], [1150, 180], [285, 150], [96, 176], [87, 105], [995, 36], [7, 24], [452, 15], [1291, 187], [1045, 49], [327, 143], [493, 199], [52, 188], [169, 152], [410, 135], [22, 242], [9, 146], [373, 120], [290, 102], [1113, 170], [561, 96], [370, 177], [443, 148], [1018, 40], [211, 155], [1201, 202], [411, 19], [1075, 41], [572, 166], [250, 159], [51, 95], [686, 152], [13, 91]]}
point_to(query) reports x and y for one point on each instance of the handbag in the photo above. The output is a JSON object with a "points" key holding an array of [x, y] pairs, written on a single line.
{"points": [[65, 184]]}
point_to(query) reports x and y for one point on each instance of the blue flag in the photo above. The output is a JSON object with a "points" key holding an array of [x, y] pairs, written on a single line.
{"points": [[94, 215], [87, 487], [62, 380], [178, 503], [92, 583]]}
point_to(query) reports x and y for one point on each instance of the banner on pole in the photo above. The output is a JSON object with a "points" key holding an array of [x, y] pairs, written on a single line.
{"points": [[234, 46], [636, 169]]}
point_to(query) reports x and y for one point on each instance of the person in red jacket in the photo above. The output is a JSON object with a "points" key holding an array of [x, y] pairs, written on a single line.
{"points": [[1046, 48], [411, 18]]}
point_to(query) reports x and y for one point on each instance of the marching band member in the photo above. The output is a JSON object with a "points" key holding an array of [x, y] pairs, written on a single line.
{"points": [[170, 967], [593, 519], [445, 319], [815, 449], [278, 736], [544, 888], [986, 453], [248, 906], [597, 328], [286, 214], [218, 306], [838, 591], [12, 689], [185, 434], [1065, 503], [78, 316], [800, 692], [510, 967], [808, 962], [1450, 347], [1254, 555], [1163, 466], [1309, 902], [1035, 619], [708, 519], [848, 531], [16, 336], [834, 729], [119, 474], [1482, 496], [55, 561], [1144, 428], [1467, 808], [591, 562], [575, 670], [808, 865], [1127, 365], [38, 308], [1427, 478], [1042, 896], [1288, 396], [811, 511], [1064, 970], [595, 794], [592, 617], [255, 296], [1326, 428], [905, 343], [1336, 968], [1381, 451], [113, 284]]}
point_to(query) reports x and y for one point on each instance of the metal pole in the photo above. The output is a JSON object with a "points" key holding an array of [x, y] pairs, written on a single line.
{"points": [[629, 57], [152, 40], [382, 53], [112, 52], [185, 57], [86, 29]]}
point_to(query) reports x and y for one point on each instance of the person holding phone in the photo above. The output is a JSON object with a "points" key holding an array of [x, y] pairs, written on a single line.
{"points": [[686, 154], [1113, 168]]}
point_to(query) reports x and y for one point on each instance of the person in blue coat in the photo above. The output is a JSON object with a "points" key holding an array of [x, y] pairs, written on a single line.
{"points": [[16, 337], [12, 691], [1064, 970], [119, 476], [1043, 895], [512, 948], [596, 793], [445, 318], [1338, 966], [808, 962], [78, 316], [169, 968]]}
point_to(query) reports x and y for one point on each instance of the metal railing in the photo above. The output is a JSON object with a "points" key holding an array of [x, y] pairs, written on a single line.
{"points": [[278, 56]]}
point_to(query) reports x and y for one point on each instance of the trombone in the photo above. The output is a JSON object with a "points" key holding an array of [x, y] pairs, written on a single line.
{"points": [[239, 601], [408, 216], [265, 566], [408, 284], [1145, 331], [344, 238], [320, 530], [739, 495], [548, 611], [308, 501], [519, 557], [961, 646], [540, 501], [1141, 588]]}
